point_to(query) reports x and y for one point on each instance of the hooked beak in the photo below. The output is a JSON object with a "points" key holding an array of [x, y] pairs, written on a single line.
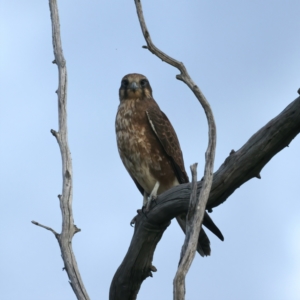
{"points": [[133, 86]]}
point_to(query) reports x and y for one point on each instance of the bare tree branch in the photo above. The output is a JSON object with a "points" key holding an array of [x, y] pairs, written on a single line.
{"points": [[46, 227], [68, 227], [238, 168], [137, 264], [197, 207], [179, 280]]}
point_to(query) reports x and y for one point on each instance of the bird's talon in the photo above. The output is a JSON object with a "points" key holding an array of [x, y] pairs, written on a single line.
{"points": [[144, 211], [132, 222]]}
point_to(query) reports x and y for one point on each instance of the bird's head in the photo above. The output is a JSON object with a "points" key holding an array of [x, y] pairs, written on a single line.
{"points": [[134, 86]]}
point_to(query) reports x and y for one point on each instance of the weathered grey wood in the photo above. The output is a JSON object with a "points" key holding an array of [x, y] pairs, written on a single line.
{"points": [[137, 264], [198, 208], [248, 161], [238, 168], [192, 221], [68, 227]]}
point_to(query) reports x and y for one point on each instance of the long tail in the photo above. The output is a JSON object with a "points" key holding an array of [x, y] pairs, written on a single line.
{"points": [[209, 224], [203, 246]]}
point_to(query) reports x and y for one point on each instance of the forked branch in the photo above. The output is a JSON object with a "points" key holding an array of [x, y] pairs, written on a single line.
{"points": [[197, 206], [238, 168], [68, 227]]}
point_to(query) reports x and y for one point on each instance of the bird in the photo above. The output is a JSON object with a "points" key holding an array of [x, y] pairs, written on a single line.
{"points": [[149, 148]]}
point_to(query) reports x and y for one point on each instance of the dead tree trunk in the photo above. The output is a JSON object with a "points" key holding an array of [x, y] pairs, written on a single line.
{"points": [[238, 168], [68, 228]]}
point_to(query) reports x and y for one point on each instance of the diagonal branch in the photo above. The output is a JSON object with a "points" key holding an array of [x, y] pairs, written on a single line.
{"points": [[238, 168], [46, 227], [197, 207], [68, 227]]}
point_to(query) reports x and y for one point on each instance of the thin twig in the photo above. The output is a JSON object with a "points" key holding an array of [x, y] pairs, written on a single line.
{"points": [[46, 227], [192, 231], [65, 199]]}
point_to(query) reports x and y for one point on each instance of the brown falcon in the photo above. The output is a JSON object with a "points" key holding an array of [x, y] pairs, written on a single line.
{"points": [[149, 147]]}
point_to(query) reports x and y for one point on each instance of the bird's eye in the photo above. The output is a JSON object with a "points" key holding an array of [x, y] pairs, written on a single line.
{"points": [[143, 82], [125, 83]]}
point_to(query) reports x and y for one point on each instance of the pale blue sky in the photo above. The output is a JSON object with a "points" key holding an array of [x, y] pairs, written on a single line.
{"points": [[244, 55]]}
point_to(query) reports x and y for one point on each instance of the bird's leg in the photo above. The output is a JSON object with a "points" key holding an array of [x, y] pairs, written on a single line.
{"points": [[145, 199], [152, 196], [145, 204]]}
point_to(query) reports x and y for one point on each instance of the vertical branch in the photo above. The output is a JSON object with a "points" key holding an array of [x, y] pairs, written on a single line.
{"points": [[68, 227], [179, 280], [197, 210]]}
